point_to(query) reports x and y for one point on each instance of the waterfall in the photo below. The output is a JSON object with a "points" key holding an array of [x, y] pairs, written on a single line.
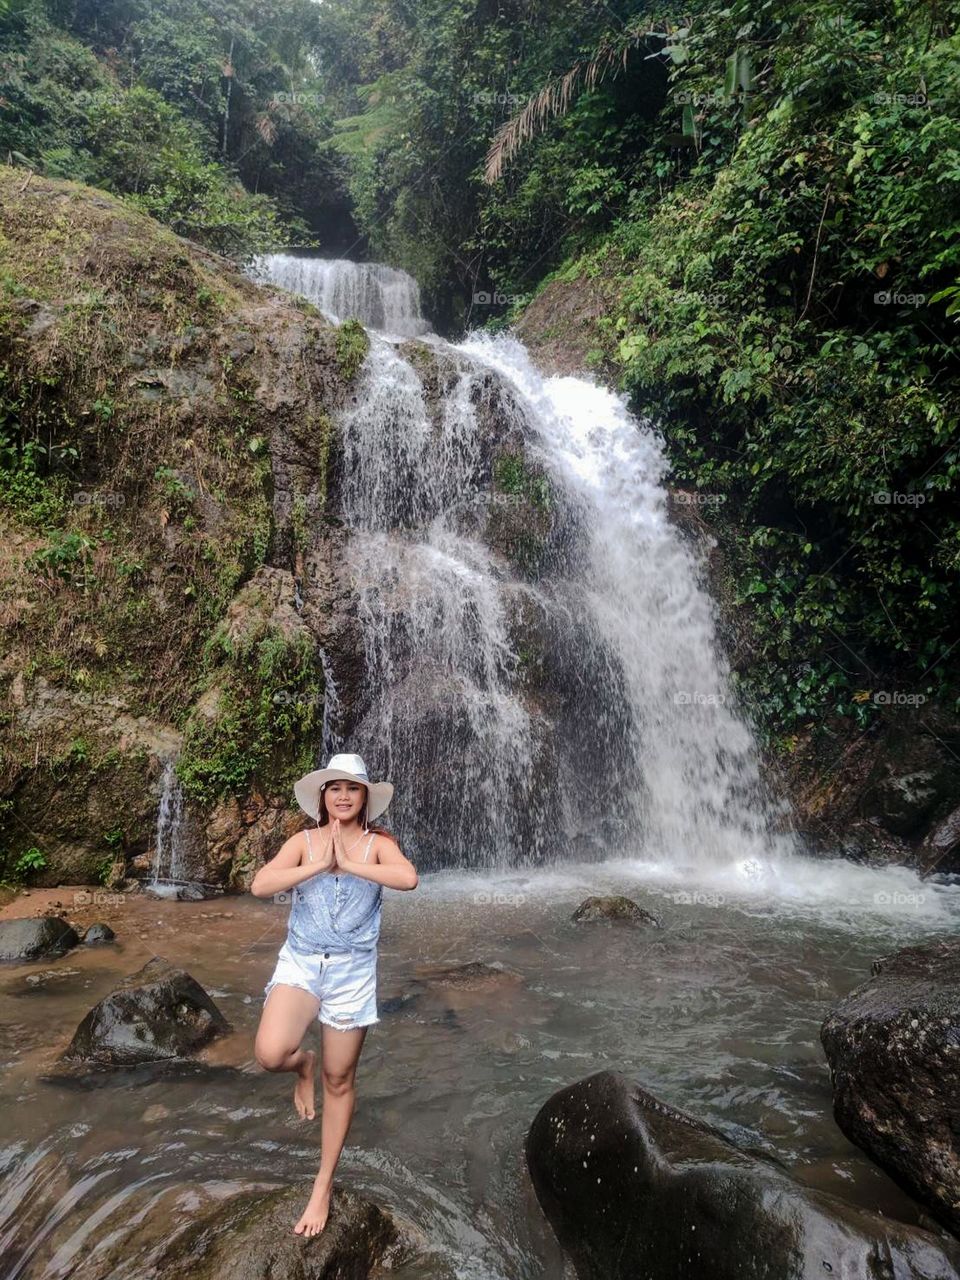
{"points": [[542, 675], [380, 297], [690, 759], [168, 869]]}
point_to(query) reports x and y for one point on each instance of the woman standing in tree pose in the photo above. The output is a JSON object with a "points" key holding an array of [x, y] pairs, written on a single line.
{"points": [[327, 967]]}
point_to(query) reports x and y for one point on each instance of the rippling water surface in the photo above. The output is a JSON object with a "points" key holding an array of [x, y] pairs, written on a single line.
{"points": [[717, 1012]]}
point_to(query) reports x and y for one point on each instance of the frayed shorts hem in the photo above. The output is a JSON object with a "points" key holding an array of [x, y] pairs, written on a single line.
{"points": [[345, 986], [346, 1026]]}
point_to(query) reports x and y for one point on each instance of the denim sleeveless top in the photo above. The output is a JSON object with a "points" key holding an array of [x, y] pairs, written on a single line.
{"points": [[335, 911]]}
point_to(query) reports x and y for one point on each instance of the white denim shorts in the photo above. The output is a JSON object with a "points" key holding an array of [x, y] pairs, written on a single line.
{"points": [[345, 983]]}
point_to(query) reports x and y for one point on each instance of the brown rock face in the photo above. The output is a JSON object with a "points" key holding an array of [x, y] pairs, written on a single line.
{"points": [[894, 1050]]}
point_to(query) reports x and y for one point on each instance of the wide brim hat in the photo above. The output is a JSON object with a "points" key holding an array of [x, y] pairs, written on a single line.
{"points": [[351, 768]]}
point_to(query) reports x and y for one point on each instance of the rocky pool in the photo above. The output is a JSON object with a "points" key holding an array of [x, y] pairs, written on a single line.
{"points": [[717, 1012]]}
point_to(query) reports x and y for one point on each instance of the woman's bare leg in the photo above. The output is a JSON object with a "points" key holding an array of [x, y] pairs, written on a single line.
{"points": [[287, 1012], [341, 1053]]}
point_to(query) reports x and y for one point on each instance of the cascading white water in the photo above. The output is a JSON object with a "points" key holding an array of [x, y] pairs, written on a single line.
{"points": [[631, 749], [168, 869], [379, 296], [442, 704], [691, 761], [636, 744]]}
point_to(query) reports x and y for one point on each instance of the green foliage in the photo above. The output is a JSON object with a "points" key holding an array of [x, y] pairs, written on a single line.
{"points": [[779, 316], [269, 707], [352, 345], [26, 487], [189, 114], [30, 860], [104, 870], [774, 195], [67, 556], [512, 475], [420, 89]]}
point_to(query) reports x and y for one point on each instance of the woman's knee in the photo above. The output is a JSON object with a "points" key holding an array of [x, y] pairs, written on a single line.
{"points": [[338, 1082], [271, 1056]]}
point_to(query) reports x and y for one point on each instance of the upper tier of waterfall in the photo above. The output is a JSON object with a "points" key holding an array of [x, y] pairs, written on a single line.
{"points": [[380, 297]]}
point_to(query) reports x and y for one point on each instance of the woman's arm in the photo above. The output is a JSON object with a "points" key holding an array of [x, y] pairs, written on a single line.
{"points": [[391, 868], [288, 868]]}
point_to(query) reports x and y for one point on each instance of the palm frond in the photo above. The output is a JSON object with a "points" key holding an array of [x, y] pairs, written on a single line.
{"points": [[556, 96]]}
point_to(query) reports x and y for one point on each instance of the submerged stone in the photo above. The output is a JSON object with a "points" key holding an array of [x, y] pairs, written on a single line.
{"points": [[253, 1237], [98, 933], [615, 907]]}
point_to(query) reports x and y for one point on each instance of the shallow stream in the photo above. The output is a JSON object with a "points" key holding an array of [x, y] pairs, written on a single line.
{"points": [[718, 1012]]}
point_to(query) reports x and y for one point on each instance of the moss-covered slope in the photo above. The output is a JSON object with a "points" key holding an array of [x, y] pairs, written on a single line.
{"points": [[165, 443]]}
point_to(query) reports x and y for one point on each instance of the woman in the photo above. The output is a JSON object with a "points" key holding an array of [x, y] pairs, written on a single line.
{"points": [[327, 967]]}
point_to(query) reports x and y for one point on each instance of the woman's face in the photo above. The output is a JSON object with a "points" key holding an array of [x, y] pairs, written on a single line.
{"points": [[344, 799]]}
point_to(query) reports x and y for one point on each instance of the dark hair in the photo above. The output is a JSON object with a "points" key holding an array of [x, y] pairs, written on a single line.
{"points": [[324, 817]]}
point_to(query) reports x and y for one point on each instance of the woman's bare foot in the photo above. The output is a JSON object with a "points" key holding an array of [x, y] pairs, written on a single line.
{"points": [[303, 1089], [315, 1214]]}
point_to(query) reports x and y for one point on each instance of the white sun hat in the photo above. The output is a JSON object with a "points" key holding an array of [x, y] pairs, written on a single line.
{"points": [[351, 768]]}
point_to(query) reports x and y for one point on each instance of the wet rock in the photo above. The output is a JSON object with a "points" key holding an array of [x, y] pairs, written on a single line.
{"points": [[474, 976], [615, 907], [894, 1050], [872, 846], [253, 1237], [560, 327], [191, 891], [28, 939], [157, 1014], [43, 977], [903, 801], [97, 934], [941, 849], [634, 1188]]}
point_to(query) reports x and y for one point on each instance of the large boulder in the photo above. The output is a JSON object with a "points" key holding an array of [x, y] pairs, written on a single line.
{"points": [[236, 1229], [158, 1014], [35, 938], [894, 1050], [253, 1237], [634, 1188]]}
